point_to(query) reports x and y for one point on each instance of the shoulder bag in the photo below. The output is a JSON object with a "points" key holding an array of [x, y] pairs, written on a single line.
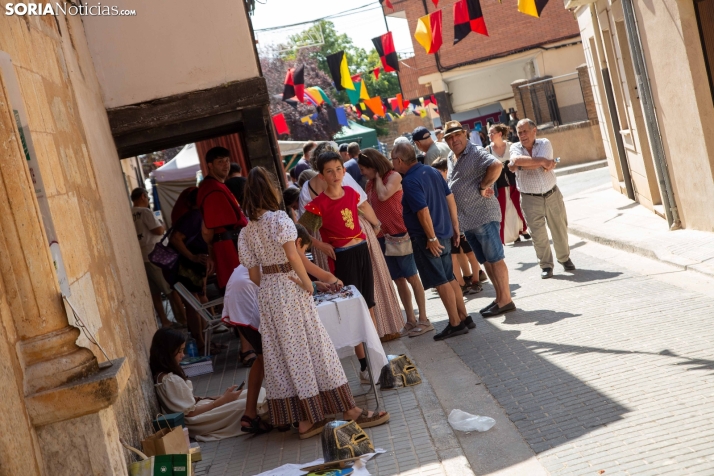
{"points": [[398, 245]]}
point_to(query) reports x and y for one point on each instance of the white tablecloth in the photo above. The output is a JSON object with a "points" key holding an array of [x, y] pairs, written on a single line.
{"points": [[348, 323]]}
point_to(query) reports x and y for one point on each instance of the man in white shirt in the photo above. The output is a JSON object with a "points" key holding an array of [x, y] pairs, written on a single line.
{"points": [[532, 161], [149, 231]]}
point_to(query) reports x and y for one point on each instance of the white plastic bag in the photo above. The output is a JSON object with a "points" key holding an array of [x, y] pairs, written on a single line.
{"points": [[462, 421]]}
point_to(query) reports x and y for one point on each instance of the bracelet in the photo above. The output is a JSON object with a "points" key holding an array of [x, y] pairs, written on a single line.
{"points": [[431, 240]]}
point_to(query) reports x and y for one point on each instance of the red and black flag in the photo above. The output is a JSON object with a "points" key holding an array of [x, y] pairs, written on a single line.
{"points": [[295, 84], [468, 18], [385, 49]]}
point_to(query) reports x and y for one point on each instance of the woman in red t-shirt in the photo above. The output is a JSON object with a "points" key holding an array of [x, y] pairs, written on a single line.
{"points": [[384, 193]]}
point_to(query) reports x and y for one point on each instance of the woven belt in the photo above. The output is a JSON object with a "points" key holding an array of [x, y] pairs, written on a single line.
{"points": [[544, 195], [277, 268]]}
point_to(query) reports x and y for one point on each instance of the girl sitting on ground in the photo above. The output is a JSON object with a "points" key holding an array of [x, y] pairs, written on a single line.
{"points": [[207, 418]]}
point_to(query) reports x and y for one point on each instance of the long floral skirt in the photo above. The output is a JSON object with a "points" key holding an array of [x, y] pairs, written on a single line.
{"points": [[386, 310], [304, 379]]}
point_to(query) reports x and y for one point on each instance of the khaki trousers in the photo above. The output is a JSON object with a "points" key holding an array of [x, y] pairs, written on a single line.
{"points": [[549, 211]]}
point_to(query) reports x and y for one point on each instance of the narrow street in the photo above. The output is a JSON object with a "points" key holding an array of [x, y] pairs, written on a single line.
{"points": [[607, 370]]}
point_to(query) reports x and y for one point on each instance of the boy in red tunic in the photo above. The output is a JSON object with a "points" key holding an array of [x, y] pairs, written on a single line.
{"points": [[222, 217], [335, 213]]}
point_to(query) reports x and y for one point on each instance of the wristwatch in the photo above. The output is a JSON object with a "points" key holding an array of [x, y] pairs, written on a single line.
{"points": [[431, 240]]}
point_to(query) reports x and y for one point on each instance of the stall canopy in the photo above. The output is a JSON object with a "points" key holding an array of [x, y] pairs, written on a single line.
{"points": [[174, 177], [364, 136], [290, 151]]}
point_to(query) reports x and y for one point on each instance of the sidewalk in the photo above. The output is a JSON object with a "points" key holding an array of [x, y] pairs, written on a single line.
{"points": [[610, 218]]}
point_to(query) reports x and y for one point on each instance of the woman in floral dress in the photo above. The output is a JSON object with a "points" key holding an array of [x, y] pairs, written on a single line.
{"points": [[304, 378]]}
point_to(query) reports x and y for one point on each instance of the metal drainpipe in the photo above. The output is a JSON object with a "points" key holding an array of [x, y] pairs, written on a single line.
{"points": [[622, 155], [650, 114]]}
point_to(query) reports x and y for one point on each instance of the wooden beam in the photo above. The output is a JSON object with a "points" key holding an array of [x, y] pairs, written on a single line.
{"points": [[189, 106]]}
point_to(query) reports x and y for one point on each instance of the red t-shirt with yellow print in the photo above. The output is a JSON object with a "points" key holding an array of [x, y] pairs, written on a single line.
{"points": [[340, 218]]}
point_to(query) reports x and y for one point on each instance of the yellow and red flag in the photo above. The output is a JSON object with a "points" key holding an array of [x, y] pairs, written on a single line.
{"points": [[428, 32]]}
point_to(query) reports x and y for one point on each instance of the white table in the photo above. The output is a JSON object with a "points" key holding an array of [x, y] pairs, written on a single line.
{"points": [[349, 323]]}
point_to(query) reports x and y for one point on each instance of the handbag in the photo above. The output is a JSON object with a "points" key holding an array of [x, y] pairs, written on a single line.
{"points": [[344, 439], [397, 245], [400, 371], [163, 255]]}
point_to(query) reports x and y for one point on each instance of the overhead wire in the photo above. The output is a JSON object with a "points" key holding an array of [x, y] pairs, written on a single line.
{"points": [[352, 11]]}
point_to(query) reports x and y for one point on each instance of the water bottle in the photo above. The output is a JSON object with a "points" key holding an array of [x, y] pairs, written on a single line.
{"points": [[191, 349]]}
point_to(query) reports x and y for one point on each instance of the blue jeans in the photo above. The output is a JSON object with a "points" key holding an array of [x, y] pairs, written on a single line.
{"points": [[485, 240], [433, 270]]}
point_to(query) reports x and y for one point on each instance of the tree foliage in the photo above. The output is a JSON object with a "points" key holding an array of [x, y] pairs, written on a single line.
{"points": [[317, 73]]}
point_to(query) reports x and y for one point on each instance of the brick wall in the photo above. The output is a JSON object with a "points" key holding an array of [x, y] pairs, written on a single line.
{"points": [[587, 89], [509, 31], [409, 78]]}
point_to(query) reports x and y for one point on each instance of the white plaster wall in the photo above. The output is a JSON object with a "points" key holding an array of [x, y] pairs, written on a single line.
{"points": [[169, 47]]}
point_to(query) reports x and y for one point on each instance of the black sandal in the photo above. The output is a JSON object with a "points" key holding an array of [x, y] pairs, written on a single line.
{"points": [[257, 426], [248, 362]]}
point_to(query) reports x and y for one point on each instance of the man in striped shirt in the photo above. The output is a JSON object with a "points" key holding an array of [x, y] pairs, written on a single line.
{"points": [[532, 161]]}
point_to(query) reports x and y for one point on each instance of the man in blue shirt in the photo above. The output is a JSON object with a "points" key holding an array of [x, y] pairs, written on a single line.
{"points": [[351, 166], [431, 219]]}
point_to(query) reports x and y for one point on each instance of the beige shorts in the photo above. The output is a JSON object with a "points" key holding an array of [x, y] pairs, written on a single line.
{"points": [[157, 283]]}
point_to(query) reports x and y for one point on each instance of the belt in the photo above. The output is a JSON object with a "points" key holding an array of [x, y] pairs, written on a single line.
{"points": [[227, 235], [277, 268], [544, 195]]}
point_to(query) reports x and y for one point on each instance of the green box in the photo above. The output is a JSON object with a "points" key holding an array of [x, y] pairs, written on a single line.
{"points": [[164, 465], [181, 465]]}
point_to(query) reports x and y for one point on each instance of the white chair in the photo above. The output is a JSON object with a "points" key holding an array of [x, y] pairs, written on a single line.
{"points": [[212, 321]]}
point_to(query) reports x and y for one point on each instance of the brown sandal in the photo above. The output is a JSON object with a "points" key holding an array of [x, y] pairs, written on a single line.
{"points": [[315, 429], [365, 421]]}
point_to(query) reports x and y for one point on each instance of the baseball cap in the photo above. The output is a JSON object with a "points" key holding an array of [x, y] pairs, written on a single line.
{"points": [[421, 133], [344, 147]]}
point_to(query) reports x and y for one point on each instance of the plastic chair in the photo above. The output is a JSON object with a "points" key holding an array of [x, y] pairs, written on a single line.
{"points": [[212, 320]]}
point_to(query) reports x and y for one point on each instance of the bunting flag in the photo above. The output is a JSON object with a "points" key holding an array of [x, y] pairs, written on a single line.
{"points": [[376, 72], [468, 18], [405, 102], [342, 116], [388, 3], [359, 93], [317, 96], [387, 54], [433, 100], [532, 7], [422, 113], [436, 3], [295, 84], [281, 127], [394, 103], [375, 106], [340, 71], [428, 32], [306, 120], [356, 77], [332, 119]]}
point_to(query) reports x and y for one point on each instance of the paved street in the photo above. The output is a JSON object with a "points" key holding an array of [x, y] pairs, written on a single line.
{"points": [[609, 368]]}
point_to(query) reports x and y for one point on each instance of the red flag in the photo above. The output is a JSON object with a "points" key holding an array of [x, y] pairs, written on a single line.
{"points": [[436, 3], [402, 101], [384, 45], [356, 77], [433, 100], [281, 127], [376, 72], [295, 84], [467, 18], [389, 4]]}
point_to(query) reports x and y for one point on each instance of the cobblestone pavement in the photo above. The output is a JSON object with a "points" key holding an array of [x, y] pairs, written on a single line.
{"points": [[409, 445], [608, 368]]}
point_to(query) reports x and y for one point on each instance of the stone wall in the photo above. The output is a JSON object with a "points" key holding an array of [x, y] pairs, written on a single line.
{"points": [[87, 200], [575, 143]]}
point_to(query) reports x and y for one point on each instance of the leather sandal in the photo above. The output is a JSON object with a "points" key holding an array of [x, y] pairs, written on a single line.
{"points": [[247, 362], [421, 328], [407, 328], [257, 426], [365, 421]]}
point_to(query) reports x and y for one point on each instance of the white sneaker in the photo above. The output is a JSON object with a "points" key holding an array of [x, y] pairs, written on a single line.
{"points": [[220, 329], [364, 377]]}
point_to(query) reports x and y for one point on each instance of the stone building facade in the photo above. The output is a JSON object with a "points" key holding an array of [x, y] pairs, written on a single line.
{"points": [[650, 69], [76, 94]]}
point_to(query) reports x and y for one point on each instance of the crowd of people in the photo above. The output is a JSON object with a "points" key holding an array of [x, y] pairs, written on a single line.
{"points": [[372, 222]]}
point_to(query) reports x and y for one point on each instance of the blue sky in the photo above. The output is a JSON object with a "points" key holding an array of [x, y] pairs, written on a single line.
{"points": [[361, 26]]}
